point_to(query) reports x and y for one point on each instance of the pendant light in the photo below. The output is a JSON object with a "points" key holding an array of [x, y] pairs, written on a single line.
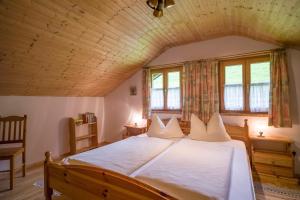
{"points": [[159, 5], [169, 3]]}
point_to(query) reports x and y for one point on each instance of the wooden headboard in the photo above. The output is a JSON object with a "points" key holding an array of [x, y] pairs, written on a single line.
{"points": [[236, 132]]}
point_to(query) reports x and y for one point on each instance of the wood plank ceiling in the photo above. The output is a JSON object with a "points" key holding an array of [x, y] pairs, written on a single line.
{"points": [[88, 47]]}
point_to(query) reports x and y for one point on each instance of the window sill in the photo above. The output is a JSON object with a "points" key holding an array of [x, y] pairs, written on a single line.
{"points": [[224, 113], [167, 111]]}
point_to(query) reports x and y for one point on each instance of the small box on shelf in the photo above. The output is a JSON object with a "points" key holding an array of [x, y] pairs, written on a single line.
{"points": [[88, 117], [83, 133]]}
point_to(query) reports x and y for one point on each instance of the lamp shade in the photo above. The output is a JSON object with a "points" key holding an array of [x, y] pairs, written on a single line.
{"points": [[169, 3], [152, 3], [158, 13]]}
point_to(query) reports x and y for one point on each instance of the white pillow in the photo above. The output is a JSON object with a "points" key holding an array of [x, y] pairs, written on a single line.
{"points": [[172, 130], [198, 128], [158, 129], [214, 131], [156, 126]]}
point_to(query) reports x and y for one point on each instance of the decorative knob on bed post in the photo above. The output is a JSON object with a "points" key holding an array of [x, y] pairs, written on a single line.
{"points": [[245, 122], [48, 157]]}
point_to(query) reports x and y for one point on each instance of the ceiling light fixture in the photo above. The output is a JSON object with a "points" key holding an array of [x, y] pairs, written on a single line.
{"points": [[159, 5]]}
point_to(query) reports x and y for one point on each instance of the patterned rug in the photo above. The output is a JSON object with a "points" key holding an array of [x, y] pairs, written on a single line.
{"points": [[40, 184], [272, 192]]}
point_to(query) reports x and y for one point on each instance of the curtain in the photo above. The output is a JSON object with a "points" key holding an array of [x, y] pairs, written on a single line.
{"points": [[157, 98], [279, 110], [174, 98], [233, 97], [200, 89], [259, 97], [146, 93]]}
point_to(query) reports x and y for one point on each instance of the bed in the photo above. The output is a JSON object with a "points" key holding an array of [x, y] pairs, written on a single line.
{"points": [[157, 169]]}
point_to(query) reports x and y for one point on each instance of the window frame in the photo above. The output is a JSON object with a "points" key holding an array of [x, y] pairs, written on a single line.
{"points": [[165, 72], [246, 63]]}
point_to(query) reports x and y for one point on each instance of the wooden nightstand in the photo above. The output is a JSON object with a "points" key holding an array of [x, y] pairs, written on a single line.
{"points": [[273, 160], [132, 130]]}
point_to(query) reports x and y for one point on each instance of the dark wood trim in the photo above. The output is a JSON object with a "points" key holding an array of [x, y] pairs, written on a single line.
{"points": [[246, 63], [167, 111], [165, 72], [233, 113]]}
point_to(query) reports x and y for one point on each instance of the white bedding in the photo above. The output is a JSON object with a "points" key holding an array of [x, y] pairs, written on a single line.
{"points": [[241, 185], [138, 156], [124, 156], [191, 170]]}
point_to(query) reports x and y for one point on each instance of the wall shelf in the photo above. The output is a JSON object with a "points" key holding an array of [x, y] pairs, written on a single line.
{"points": [[83, 136]]}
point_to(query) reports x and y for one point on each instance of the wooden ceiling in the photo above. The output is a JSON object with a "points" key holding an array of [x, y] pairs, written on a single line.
{"points": [[88, 47]]}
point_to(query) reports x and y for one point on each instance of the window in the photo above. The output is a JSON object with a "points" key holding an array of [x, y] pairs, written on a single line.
{"points": [[166, 89], [245, 85]]}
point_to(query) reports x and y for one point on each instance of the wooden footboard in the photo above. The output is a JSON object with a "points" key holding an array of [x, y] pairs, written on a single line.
{"points": [[83, 182]]}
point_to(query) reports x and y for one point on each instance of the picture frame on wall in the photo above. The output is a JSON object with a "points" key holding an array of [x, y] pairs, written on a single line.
{"points": [[133, 91]]}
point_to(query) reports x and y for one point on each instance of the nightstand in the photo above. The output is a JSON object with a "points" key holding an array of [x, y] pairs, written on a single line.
{"points": [[273, 160], [132, 130]]}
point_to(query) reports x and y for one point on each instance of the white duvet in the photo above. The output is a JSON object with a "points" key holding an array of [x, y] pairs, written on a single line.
{"points": [[124, 156], [191, 170]]}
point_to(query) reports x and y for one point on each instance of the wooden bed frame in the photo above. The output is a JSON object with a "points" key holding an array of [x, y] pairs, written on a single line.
{"points": [[83, 182]]}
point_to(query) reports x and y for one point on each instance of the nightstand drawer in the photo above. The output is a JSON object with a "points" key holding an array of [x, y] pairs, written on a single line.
{"points": [[273, 159], [274, 170]]}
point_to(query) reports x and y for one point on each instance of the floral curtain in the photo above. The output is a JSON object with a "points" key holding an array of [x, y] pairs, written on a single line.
{"points": [[146, 93], [279, 108], [200, 89]]}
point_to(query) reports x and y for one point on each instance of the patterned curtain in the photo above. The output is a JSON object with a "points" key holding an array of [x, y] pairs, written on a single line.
{"points": [[200, 89], [146, 93], [279, 108]]}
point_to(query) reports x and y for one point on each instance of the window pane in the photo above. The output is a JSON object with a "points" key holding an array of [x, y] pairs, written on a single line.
{"points": [[174, 90], [157, 95], [260, 87], [233, 88]]}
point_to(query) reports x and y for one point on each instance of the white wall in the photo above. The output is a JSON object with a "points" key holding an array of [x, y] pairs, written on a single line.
{"points": [[122, 108], [119, 105], [224, 46], [47, 123]]}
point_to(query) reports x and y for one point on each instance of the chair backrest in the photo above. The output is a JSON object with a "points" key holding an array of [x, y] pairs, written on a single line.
{"points": [[13, 130]]}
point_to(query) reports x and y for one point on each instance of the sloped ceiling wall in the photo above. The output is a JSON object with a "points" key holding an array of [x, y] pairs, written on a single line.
{"points": [[88, 47]]}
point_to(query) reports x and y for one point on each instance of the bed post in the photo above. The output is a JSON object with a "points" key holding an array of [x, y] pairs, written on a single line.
{"points": [[246, 124], [248, 145], [148, 123], [47, 190]]}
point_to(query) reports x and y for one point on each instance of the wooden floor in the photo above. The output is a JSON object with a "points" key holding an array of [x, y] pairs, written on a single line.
{"points": [[24, 189]]}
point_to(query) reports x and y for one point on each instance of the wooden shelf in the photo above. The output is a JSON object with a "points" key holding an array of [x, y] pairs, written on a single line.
{"points": [[272, 151], [85, 132], [272, 138], [85, 149], [85, 137]]}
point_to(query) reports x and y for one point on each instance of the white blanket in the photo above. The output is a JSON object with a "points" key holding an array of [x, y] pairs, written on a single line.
{"points": [[191, 170], [124, 156]]}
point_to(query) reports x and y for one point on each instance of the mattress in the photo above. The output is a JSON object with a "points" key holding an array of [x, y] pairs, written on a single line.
{"points": [[201, 170], [124, 156], [191, 170], [139, 156]]}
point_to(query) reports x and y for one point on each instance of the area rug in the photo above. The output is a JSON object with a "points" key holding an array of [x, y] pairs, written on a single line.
{"points": [[40, 184], [270, 192]]}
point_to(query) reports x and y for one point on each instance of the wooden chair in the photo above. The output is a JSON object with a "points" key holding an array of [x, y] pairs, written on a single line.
{"points": [[13, 131]]}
